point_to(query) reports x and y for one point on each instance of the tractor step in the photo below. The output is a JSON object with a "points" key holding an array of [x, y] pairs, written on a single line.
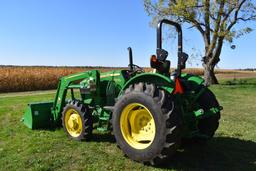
{"points": [[38, 116], [103, 124]]}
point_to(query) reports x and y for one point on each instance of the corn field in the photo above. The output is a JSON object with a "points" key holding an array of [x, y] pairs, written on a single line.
{"points": [[28, 78]]}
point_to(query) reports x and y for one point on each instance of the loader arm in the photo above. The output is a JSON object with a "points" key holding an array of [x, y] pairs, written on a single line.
{"points": [[63, 86]]}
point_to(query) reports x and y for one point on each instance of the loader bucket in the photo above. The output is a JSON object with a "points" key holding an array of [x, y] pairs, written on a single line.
{"points": [[38, 116]]}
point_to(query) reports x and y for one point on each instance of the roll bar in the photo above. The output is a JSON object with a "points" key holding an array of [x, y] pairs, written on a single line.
{"points": [[162, 54], [159, 34]]}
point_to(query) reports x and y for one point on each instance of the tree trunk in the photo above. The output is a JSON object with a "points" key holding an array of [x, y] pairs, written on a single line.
{"points": [[209, 75], [210, 60]]}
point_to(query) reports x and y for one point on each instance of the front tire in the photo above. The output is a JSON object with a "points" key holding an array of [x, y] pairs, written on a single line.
{"points": [[77, 121], [146, 124]]}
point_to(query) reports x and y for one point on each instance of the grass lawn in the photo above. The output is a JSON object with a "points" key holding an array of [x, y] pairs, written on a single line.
{"points": [[232, 148]]}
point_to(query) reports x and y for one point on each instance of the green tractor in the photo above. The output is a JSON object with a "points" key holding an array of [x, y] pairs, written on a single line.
{"points": [[148, 113]]}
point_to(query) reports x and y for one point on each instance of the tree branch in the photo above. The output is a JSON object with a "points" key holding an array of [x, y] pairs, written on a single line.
{"points": [[215, 59], [216, 29], [247, 19], [235, 16], [231, 9], [207, 24]]}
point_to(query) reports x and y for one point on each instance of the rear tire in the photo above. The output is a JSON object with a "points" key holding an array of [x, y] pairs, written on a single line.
{"points": [[77, 121], [156, 105], [208, 126]]}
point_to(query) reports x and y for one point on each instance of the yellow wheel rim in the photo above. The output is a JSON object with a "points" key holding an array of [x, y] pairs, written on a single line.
{"points": [[73, 123], [137, 126]]}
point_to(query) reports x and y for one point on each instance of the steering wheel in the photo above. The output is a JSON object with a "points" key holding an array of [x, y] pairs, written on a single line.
{"points": [[137, 68]]}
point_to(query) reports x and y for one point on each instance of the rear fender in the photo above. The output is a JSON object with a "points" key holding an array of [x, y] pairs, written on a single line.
{"points": [[152, 78], [193, 78], [193, 85]]}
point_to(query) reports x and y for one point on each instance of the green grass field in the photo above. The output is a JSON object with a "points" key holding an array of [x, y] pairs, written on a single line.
{"points": [[232, 148]]}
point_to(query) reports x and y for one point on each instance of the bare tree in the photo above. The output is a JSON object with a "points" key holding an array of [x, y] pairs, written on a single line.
{"points": [[216, 20]]}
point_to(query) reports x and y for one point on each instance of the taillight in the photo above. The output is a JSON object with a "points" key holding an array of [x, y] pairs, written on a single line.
{"points": [[154, 61], [153, 58]]}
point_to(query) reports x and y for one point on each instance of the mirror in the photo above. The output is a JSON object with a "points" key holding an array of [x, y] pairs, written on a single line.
{"points": [[161, 54], [183, 57]]}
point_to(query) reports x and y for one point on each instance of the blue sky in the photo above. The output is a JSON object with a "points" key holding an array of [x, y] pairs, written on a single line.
{"points": [[94, 33]]}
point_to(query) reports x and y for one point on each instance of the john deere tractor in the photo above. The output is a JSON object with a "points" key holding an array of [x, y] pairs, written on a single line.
{"points": [[149, 113]]}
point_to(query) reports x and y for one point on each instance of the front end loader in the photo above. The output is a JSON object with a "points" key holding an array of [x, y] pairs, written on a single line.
{"points": [[148, 113]]}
